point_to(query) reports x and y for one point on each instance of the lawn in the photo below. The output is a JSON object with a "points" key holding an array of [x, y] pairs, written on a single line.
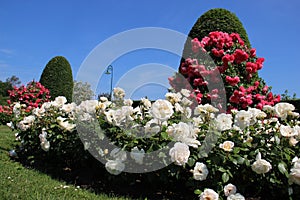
{"points": [[19, 182]]}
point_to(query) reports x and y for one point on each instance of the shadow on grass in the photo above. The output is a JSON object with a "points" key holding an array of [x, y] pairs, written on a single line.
{"points": [[92, 176]]}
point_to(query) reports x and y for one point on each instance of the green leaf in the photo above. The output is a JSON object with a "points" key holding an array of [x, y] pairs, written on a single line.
{"points": [[164, 135], [236, 150], [240, 160], [197, 191], [282, 169], [191, 162], [221, 169], [225, 177]]}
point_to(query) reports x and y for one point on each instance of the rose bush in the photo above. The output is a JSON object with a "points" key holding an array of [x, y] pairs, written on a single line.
{"points": [[33, 95], [222, 58], [213, 153]]}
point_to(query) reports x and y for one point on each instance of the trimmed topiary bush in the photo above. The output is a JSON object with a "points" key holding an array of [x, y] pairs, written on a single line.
{"points": [[57, 77]]}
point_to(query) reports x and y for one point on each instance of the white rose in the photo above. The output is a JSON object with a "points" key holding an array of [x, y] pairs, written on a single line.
{"points": [[118, 154], [186, 102], [200, 171], [173, 97], [261, 166], [185, 92], [287, 131], [203, 109], [120, 116], [185, 133], [294, 176], [103, 99], [283, 109], [16, 109], [146, 102], [38, 111], [152, 126], [127, 102], [69, 108], [242, 119], [179, 153], [59, 101], [119, 93], [161, 110], [256, 114], [63, 123], [229, 189], [26, 123], [114, 167], [209, 194], [87, 107], [236, 196], [45, 145], [137, 155], [227, 146], [224, 122], [293, 141], [268, 109]]}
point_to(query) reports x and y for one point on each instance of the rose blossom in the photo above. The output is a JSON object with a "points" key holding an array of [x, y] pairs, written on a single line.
{"points": [[261, 166], [283, 109], [161, 110], [63, 122], [227, 146], [179, 153], [137, 155], [114, 167], [242, 119], [287, 131], [224, 122], [119, 93], [200, 171], [209, 194], [236, 196], [146, 102], [59, 101], [229, 189], [185, 133], [294, 176]]}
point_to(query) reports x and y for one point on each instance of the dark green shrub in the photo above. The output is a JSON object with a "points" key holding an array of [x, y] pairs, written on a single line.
{"points": [[57, 77]]}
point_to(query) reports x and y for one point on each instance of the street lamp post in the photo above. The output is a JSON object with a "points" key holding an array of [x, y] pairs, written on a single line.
{"points": [[110, 71]]}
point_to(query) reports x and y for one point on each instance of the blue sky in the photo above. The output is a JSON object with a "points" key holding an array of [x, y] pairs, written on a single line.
{"points": [[32, 32]]}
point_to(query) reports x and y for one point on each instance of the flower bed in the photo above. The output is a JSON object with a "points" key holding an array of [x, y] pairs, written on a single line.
{"points": [[209, 150]]}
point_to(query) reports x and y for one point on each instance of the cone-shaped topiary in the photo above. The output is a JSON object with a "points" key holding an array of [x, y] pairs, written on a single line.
{"points": [[217, 19], [57, 77]]}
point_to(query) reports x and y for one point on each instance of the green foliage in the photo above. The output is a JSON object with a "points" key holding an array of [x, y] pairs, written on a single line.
{"points": [[57, 77]]}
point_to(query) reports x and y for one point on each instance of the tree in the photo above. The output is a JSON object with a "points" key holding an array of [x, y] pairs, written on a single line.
{"points": [[8, 85], [57, 77], [82, 91], [14, 81]]}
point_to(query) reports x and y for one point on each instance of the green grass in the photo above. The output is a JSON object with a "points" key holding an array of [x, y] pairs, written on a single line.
{"points": [[18, 182]]}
